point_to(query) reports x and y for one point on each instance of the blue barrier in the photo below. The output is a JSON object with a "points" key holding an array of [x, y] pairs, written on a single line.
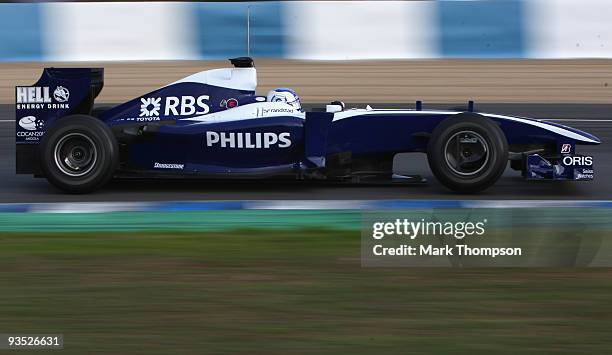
{"points": [[222, 29], [301, 29], [21, 32], [485, 29]]}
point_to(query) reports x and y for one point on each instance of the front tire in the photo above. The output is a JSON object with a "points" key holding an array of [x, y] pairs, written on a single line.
{"points": [[79, 154], [467, 153]]}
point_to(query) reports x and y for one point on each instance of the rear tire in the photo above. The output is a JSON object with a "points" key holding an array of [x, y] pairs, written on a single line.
{"points": [[79, 154], [467, 153]]}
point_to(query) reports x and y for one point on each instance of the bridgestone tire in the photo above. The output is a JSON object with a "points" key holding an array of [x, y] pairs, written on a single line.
{"points": [[79, 154], [457, 142]]}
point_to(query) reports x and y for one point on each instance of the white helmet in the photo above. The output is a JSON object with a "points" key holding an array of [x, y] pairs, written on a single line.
{"points": [[285, 95]]}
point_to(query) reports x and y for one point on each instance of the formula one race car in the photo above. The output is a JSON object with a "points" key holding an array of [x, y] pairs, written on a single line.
{"points": [[212, 125]]}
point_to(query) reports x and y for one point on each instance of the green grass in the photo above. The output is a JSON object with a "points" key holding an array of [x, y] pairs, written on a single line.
{"points": [[279, 292]]}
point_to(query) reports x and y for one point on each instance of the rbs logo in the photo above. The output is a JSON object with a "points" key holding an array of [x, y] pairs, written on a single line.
{"points": [[186, 105], [174, 106]]}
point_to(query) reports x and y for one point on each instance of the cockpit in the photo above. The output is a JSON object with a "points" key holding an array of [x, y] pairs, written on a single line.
{"points": [[285, 95]]}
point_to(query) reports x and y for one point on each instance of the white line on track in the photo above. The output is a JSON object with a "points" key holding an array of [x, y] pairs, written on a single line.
{"points": [[576, 120], [548, 119]]}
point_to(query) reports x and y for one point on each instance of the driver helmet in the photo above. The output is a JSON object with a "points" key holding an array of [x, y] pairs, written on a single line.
{"points": [[285, 95]]}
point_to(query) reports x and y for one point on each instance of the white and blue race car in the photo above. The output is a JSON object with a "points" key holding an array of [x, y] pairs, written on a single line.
{"points": [[213, 125]]}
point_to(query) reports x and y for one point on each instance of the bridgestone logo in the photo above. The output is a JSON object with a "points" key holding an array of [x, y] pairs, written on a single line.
{"points": [[169, 166]]}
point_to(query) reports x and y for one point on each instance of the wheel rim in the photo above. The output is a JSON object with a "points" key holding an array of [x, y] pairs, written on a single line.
{"points": [[75, 154], [466, 153]]}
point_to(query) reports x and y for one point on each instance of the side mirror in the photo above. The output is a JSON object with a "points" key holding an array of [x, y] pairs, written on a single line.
{"points": [[333, 108]]}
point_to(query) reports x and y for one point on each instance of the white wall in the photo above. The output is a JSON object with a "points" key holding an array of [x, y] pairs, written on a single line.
{"points": [[360, 30], [569, 28], [117, 31]]}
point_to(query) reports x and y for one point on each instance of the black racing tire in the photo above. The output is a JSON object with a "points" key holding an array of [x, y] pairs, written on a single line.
{"points": [[79, 154], [467, 153]]}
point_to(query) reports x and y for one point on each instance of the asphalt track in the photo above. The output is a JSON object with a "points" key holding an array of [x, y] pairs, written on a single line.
{"points": [[593, 118]]}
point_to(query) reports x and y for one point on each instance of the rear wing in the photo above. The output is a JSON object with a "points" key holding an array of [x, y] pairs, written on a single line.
{"points": [[58, 92]]}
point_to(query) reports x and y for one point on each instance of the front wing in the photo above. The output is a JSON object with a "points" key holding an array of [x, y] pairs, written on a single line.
{"points": [[568, 167]]}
